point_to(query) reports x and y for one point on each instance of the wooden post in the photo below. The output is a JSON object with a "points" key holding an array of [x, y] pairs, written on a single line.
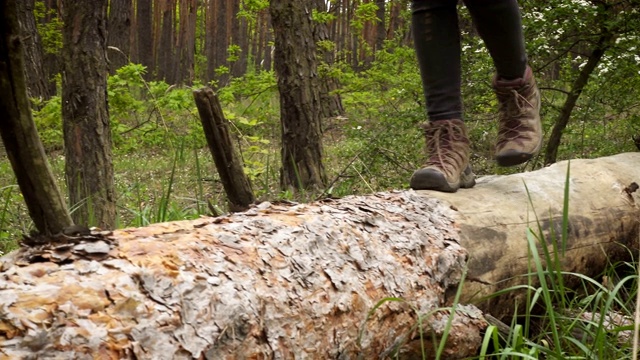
{"points": [[20, 136], [216, 129]]}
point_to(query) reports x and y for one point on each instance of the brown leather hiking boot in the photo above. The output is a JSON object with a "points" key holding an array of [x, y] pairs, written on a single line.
{"points": [[519, 130], [447, 167]]}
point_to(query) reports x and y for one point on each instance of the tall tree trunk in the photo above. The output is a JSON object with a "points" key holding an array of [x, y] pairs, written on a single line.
{"points": [[381, 29], [268, 48], [241, 39], [165, 50], [581, 81], [87, 134], [219, 40], [330, 104], [186, 44], [296, 69], [33, 54], [25, 152], [145, 35], [52, 59], [119, 34], [223, 38]]}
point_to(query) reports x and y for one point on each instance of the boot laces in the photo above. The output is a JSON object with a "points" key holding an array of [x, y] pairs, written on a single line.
{"points": [[441, 145], [513, 110]]}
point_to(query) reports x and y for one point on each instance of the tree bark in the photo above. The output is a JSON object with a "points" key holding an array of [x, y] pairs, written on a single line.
{"points": [[330, 103], [145, 35], [381, 28], [87, 134], [165, 50], [230, 168], [52, 57], [186, 45], [19, 134], [120, 15], [37, 86], [310, 280], [296, 68]]}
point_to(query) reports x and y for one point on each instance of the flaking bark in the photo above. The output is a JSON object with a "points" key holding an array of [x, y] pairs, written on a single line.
{"points": [[278, 281]]}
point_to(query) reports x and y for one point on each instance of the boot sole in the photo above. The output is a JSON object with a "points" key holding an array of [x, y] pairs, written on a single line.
{"points": [[430, 179], [513, 157]]}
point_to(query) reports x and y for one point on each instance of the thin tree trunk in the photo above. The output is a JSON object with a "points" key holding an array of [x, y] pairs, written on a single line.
{"points": [[19, 134], [186, 44], [381, 29], [330, 104], [145, 35], [52, 58], [296, 69], [165, 50], [33, 53], [237, 31], [579, 84], [87, 134], [119, 35]]}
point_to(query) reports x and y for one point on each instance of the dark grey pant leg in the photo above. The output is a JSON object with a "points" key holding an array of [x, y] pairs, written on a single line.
{"points": [[500, 25], [437, 43]]}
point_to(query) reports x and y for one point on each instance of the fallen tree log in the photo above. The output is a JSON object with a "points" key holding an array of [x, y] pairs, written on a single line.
{"points": [[603, 223], [332, 279]]}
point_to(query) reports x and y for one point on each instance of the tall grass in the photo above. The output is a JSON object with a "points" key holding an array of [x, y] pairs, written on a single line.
{"points": [[564, 323]]}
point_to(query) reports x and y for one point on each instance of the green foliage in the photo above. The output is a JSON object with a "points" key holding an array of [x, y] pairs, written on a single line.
{"points": [[150, 114], [48, 119], [251, 107], [364, 12], [50, 31], [249, 9], [322, 17], [382, 142], [233, 53]]}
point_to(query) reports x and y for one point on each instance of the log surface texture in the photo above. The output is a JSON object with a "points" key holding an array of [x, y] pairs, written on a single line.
{"points": [[279, 281], [604, 221], [298, 281]]}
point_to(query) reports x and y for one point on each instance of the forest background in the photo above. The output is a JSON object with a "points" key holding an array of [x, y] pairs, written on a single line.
{"points": [[584, 55]]}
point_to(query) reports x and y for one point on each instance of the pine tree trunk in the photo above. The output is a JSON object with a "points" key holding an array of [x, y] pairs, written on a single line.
{"points": [[165, 50], [119, 36], [145, 35], [335, 279], [87, 134], [186, 45], [296, 69], [330, 103], [33, 52], [52, 59], [19, 134]]}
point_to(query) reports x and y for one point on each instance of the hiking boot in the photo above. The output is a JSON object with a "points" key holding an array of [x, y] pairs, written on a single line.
{"points": [[519, 129], [447, 167]]}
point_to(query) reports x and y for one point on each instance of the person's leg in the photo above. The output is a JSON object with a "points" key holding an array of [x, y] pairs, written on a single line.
{"points": [[437, 43], [520, 131], [500, 26]]}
